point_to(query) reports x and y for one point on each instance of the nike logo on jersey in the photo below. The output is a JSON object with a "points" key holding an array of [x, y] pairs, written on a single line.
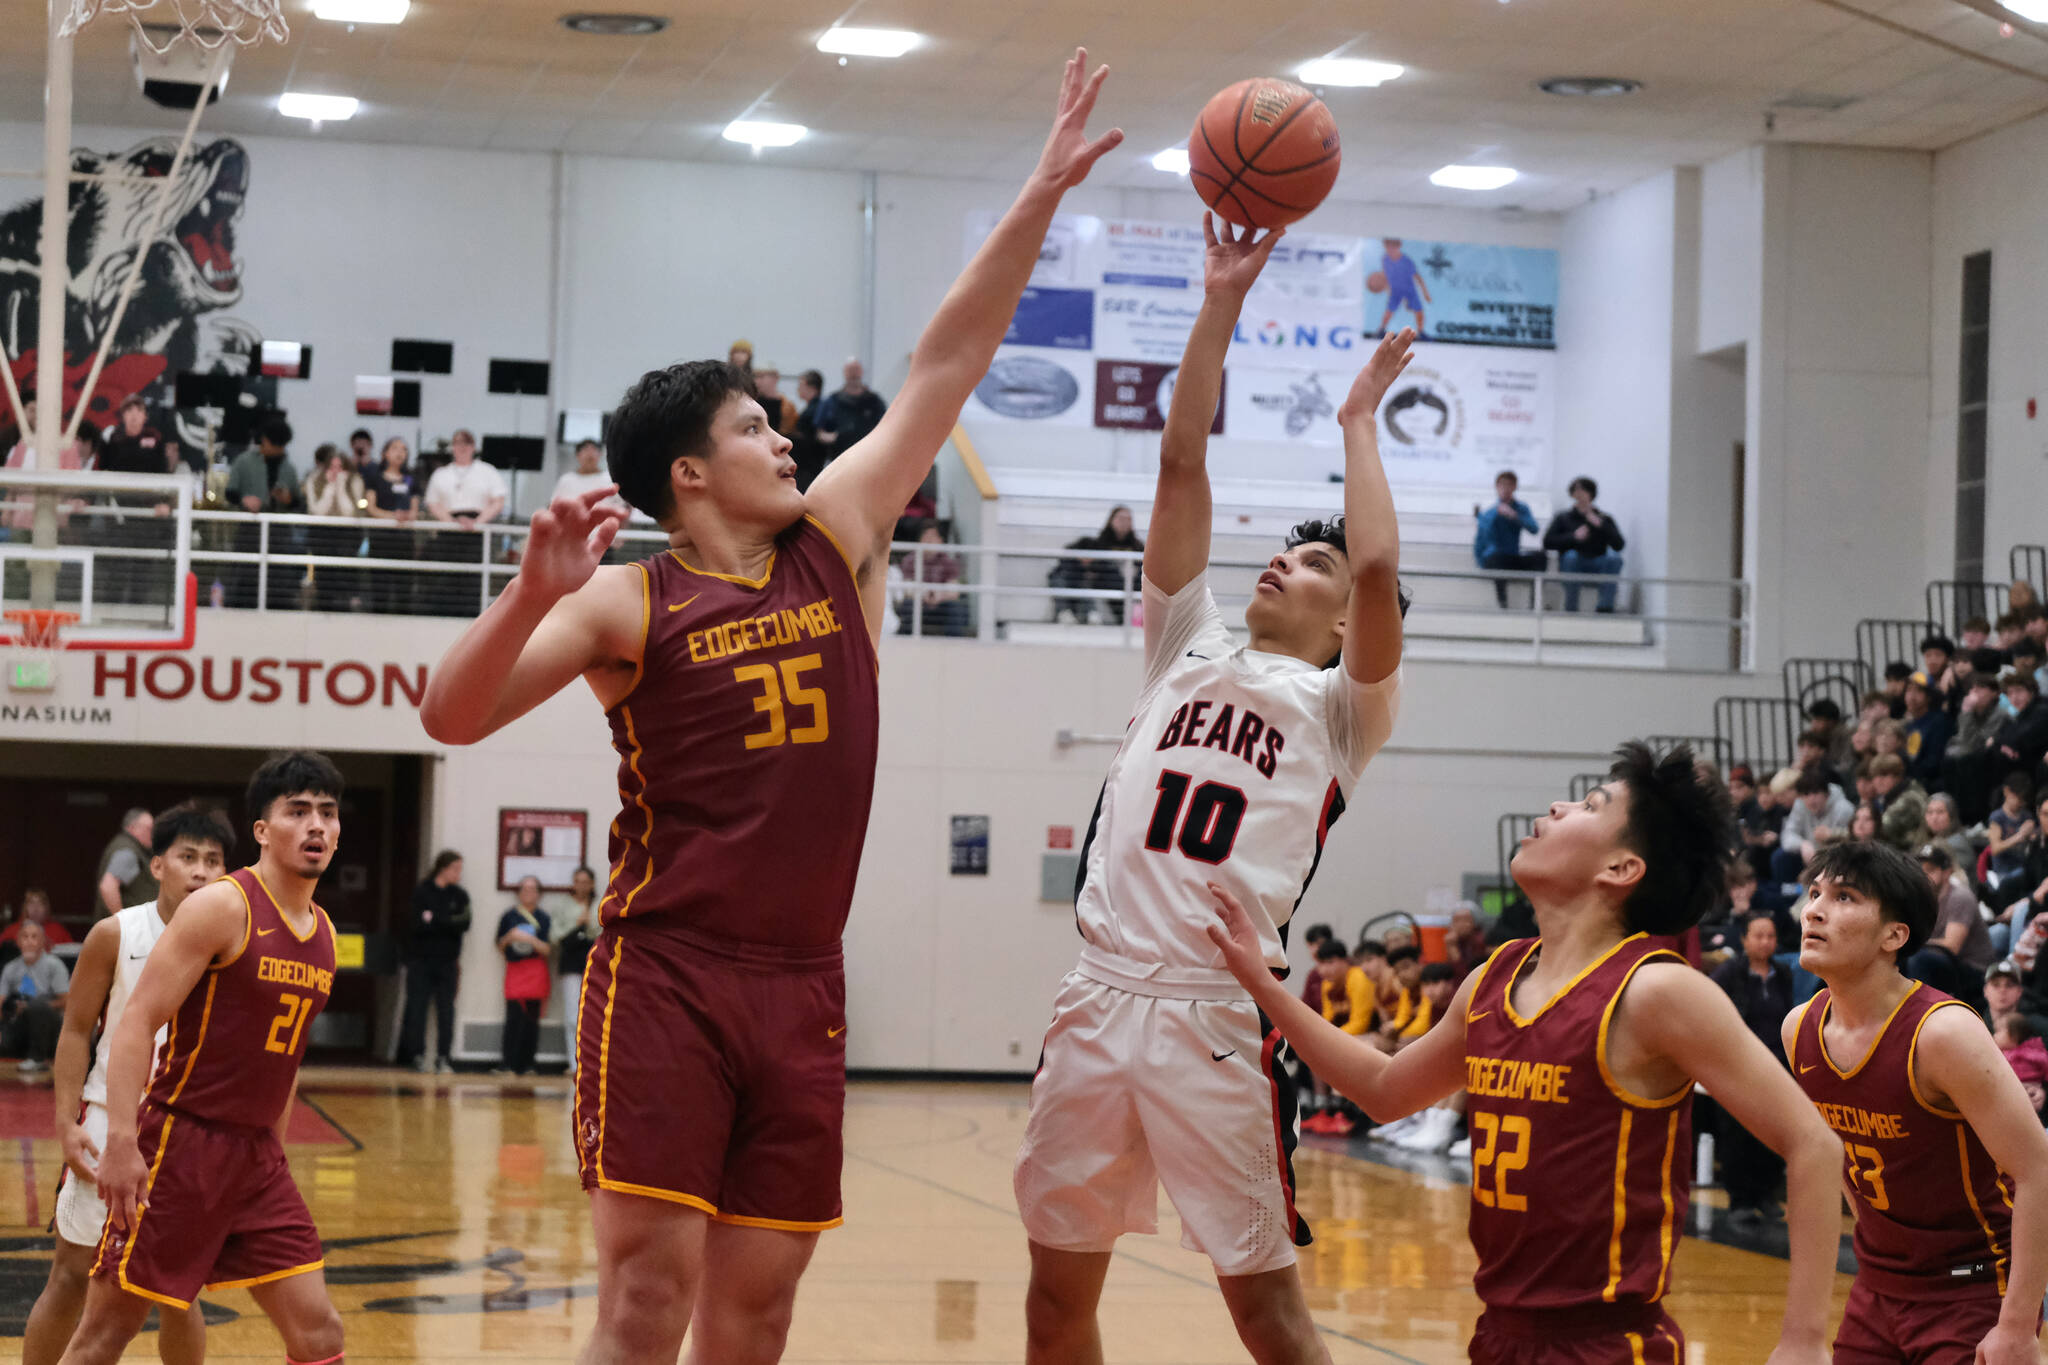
{"points": [[835, 1032], [137, 957], [1203, 657], [1245, 735], [261, 932], [1808, 1067], [678, 606], [1219, 1056], [1475, 1018]]}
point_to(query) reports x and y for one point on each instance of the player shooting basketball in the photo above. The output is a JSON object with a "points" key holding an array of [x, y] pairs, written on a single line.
{"points": [[1157, 1067], [1578, 1052], [738, 672]]}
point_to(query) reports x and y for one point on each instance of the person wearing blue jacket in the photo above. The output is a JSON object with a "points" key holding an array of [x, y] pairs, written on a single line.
{"points": [[1498, 544]]}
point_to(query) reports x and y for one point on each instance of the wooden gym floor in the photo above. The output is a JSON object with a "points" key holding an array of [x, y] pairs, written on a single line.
{"points": [[456, 1231]]}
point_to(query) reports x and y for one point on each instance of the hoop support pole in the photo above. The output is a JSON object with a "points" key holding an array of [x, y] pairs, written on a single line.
{"points": [[52, 293]]}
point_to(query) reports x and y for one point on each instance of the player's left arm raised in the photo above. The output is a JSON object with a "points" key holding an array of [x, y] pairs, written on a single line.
{"points": [[209, 926], [1372, 632], [863, 492], [1957, 1060], [1672, 1012]]}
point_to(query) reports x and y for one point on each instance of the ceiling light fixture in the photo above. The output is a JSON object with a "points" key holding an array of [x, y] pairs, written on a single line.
{"points": [[758, 135], [1474, 177], [1348, 71], [318, 108], [1589, 87], [362, 11], [1174, 161], [614, 25], [868, 42]]}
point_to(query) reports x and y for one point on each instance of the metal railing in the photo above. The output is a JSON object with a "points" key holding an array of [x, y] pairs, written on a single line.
{"points": [[1585, 784], [1843, 680], [1759, 731], [2028, 564], [1881, 641], [1950, 602]]}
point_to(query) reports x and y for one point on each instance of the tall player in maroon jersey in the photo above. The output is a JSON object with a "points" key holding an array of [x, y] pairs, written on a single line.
{"points": [[1577, 1052], [198, 1193], [1946, 1163], [738, 671]]}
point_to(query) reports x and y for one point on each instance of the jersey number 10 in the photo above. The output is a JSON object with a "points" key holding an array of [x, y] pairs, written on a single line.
{"points": [[1209, 831]]}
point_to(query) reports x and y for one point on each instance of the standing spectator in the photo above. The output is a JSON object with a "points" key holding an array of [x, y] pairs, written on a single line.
{"points": [[740, 355], [264, 480], [1927, 732], [465, 492], [77, 455], [440, 917], [851, 413], [334, 489], [523, 940], [1498, 541], [810, 453], [588, 475], [133, 446], [35, 909], [945, 610], [1958, 952], [1824, 721], [32, 991], [1761, 989], [362, 450], [1586, 540], [124, 878], [395, 504], [768, 393], [576, 933]]}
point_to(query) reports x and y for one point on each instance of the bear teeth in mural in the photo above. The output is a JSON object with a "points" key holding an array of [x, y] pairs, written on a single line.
{"points": [[192, 270]]}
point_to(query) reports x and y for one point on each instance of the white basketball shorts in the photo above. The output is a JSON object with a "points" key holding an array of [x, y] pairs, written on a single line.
{"points": [[81, 1213], [1136, 1090]]}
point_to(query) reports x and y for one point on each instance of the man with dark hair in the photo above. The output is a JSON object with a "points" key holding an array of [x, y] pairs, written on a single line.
{"points": [[1927, 731], [1586, 540], [1579, 1052], [1497, 541], [433, 967], [263, 479], [1937, 658], [846, 418], [1761, 990], [1946, 1162], [1812, 757], [1958, 950], [1895, 675], [1900, 802], [1157, 1067], [739, 675], [197, 1190], [362, 448], [1824, 720], [189, 846], [1820, 815]]}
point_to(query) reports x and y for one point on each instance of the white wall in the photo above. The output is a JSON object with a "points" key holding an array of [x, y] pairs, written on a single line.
{"points": [[1731, 249]]}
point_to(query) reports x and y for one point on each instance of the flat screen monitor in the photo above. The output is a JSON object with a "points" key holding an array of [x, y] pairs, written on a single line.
{"points": [[422, 357], [515, 452], [519, 376]]}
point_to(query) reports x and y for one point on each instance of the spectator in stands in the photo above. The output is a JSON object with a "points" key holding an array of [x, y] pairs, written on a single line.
{"points": [[2026, 1054], [1812, 757], [1819, 817], [334, 489], [849, 414], [2021, 596], [1405, 962], [394, 501], [575, 935], [1945, 827], [1465, 942], [1937, 658], [945, 610], [35, 909], [440, 917], [1721, 931], [32, 991], [1895, 675], [1586, 540], [810, 453], [1959, 951], [523, 941], [740, 355], [1927, 731], [133, 446], [782, 413], [1900, 802], [1761, 989], [2004, 998], [2009, 633], [466, 492], [362, 449], [1758, 816], [1974, 635], [1436, 983], [1498, 541], [1969, 670], [124, 878], [1097, 575], [1824, 719], [590, 473], [264, 480], [2027, 655], [2011, 828], [1865, 824], [2023, 738], [1889, 737]]}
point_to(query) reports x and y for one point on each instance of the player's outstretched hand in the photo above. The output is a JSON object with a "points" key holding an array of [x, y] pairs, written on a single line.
{"points": [[121, 1180], [2005, 1345], [1233, 259], [1069, 155], [79, 1154], [1388, 360], [568, 540], [1235, 937]]}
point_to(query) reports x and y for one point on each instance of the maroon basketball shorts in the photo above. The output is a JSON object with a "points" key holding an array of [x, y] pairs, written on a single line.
{"points": [[222, 1213], [1601, 1334], [713, 1074], [1881, 1325]]}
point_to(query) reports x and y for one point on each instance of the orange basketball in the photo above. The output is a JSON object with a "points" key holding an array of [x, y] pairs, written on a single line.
{"points": [[1264, 153]]}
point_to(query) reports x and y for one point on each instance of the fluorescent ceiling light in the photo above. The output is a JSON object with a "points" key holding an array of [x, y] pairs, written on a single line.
{"points": [[1174, 161], [1474, 177], [868, 42], [759, 135], [361, 11], [319, 108], [2033, 10], [1348, 71]]}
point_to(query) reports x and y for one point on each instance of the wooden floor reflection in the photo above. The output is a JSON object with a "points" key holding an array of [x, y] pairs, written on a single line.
{"points": [[457, 1232]]}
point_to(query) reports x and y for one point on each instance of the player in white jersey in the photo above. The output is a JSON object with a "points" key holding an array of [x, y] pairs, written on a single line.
{"points": [[1158, 1068], [189, 849]]}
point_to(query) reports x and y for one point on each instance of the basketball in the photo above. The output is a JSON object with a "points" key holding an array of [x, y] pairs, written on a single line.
{"points": [[1264, 153], [1376, 283]]}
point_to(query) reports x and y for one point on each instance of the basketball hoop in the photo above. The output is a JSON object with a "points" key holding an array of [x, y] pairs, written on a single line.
{"points": [[208, 23], [32, 654]]}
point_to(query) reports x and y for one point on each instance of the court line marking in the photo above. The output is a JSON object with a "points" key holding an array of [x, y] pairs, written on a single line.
{"points": [[332, 1122], [1132, 1257]]}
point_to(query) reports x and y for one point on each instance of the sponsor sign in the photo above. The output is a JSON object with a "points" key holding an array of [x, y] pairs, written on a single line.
{"points": [[1464, 294], [1134, 395], [1037, 384]]}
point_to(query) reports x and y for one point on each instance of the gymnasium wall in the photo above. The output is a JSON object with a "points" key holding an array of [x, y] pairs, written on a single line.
{"points": [[946, 972]]}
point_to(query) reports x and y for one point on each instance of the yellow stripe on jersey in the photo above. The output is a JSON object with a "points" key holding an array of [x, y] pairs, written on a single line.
{"points": [[1620, 1208]]}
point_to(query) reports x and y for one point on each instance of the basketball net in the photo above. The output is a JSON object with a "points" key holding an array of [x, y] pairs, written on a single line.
{"points": [[31, 656], [208, 23]]}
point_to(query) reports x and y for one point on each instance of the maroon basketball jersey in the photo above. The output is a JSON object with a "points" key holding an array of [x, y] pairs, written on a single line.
{"points": [[1579, 1188], [1930, 1202], [236, 1042], [747, 749]]}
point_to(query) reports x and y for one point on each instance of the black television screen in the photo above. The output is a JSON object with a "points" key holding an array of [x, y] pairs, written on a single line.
{"points": [[405, 398], [422, 357], [196, 390], [519, 376], [515, 452]]}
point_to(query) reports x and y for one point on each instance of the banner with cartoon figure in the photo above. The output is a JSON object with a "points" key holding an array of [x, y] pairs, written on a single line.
{"points": [[1460, 293]]}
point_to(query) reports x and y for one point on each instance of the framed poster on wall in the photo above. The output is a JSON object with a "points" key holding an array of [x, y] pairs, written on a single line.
{"points": [[547, 844]]}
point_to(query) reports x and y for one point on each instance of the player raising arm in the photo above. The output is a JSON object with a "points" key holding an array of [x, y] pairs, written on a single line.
{"points": [[1578, 1051]]}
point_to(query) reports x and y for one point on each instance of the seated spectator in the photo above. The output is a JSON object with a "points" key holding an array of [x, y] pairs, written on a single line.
{"points": [[1812, 757], [1436, 983], [740, 355], [1944, 827], [2003, 997], [1405, 962], [2010, 827], [1498, 541], [1465, 941], [782, 413], [32, 991], [1722, 929], [1586, 540], [1900, 802], [1324, 993], [944, 610], [1865, 824], [1927, 732], [588, 475], [1759, 817], [1975, 634], [2024, 1051], [1895, 675], [466, 492], [1962, 671], [2023, 738], [1937, 659], [35, 909], [1097, 575], [1977, 715], [811, 454], [1824, 720], [1761, 989], [2007, 633], [850, 414], [1820, 816], [2022, 596], [1959, 951], [2018, 894]]}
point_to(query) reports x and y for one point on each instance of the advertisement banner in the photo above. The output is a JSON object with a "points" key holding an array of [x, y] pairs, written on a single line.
{"points": [[1061, 318], [1461, 414], [1036, 384], [1460, 293], [1134, 395]]}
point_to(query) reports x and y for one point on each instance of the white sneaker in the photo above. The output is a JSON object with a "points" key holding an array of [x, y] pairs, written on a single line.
{"points": [[1433, 1135], [1461, 1150], [1399, 1128]]}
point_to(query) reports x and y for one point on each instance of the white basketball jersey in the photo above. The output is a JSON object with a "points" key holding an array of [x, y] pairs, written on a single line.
{"points": [[1233, 769], [141, 927]]}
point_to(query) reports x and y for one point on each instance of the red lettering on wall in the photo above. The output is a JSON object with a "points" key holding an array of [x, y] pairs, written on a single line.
{"points": [[304, 668], [234, 687], [395, 680], [174, 676], [151, 677], [102, 674], [263, 682], [369, 684]]}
